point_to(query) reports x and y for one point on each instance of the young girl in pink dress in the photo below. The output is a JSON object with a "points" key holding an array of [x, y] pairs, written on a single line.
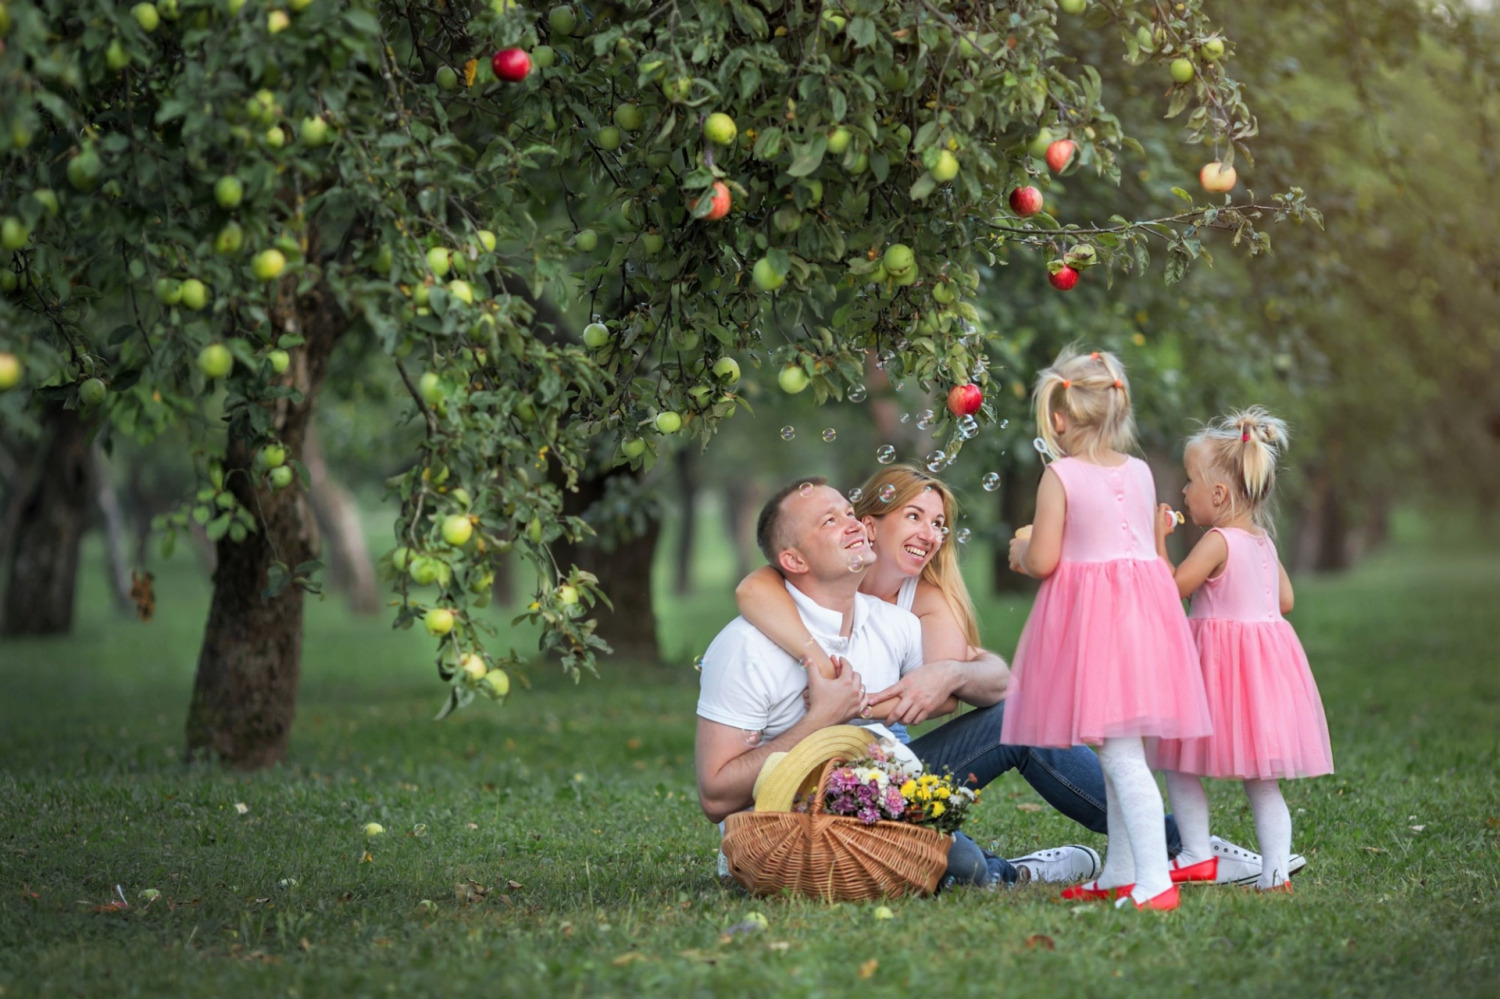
{"points": [[1268, 718], [1106, 657]]}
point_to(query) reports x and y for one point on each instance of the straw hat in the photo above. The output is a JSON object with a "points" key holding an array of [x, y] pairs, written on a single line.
{"points": [[786, 775]]}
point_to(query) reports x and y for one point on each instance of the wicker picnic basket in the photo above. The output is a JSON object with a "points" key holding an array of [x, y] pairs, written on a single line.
{"points": [[832, 857]]}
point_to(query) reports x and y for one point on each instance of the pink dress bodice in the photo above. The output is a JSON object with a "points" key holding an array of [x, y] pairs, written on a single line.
{"points": [[1109, 511], [1252, 592]]}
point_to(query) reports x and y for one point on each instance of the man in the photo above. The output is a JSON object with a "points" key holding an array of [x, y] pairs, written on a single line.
{"points": [[751, 703], [752, 698]]}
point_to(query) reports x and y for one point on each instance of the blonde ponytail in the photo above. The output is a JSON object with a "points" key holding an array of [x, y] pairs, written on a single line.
{"points": [[1244, 449]]}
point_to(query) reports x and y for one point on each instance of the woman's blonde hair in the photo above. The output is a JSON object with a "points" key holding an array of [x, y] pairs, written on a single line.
{"points": [[1091, 392], [942, 569], [1243, 449]]}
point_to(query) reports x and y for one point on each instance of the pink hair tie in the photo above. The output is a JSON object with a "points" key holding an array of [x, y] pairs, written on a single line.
{"points": [[1244, 436]]}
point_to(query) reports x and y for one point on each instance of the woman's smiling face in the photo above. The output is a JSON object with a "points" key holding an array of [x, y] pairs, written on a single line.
{"points": [[910, 536]]}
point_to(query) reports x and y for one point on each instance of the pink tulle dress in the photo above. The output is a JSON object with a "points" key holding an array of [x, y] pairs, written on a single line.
{"points": [[1106, 651], [1268, 717]]}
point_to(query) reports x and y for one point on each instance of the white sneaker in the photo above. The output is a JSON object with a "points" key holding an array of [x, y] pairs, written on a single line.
{"points": [[1063, 865], [1239, 866]]}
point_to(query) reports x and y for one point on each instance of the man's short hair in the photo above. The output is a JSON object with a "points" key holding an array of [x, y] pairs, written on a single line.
{"points": [[770, 526]]}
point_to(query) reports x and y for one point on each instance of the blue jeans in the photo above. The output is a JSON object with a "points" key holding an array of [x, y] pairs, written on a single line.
{"points": [[1070, 780]]}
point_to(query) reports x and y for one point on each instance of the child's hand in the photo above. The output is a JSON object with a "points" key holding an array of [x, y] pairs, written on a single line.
{"points": [[1018, 548], [1166, 520]]}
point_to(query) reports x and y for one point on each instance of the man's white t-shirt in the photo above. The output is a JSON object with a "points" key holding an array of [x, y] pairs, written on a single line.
{"points": [[749, 683]]}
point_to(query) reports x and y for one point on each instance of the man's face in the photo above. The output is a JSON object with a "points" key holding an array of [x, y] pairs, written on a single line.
{"points": [[826, 538]]}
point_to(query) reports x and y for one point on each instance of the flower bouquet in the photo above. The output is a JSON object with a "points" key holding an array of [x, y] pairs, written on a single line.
{"points": [[879, 788]]}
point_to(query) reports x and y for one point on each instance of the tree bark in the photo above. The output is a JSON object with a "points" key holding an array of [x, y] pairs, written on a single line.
{"points": [[623, 566], [115, 537], [350, 570], [50, 515], [689, 485], [245, 691]]}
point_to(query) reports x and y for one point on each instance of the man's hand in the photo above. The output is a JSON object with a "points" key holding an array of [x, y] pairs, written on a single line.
{"points": [[919, 695], [837, 699]]}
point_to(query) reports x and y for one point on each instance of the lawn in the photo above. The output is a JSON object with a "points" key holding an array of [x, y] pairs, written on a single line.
{"points": [[555, 847]]}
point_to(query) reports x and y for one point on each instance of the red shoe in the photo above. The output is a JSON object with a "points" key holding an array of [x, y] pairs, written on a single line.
{"points": [[1165, 902], [1285, 888], [1091, 892], [1203, 870]]}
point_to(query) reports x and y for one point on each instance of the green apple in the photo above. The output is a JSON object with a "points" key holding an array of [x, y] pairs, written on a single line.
{"points": [[1074, 7], [91, 393], [168, 291], [230, 240], [1038, 145], [899, 259], [278, 21], [472, 666], [562, 20], [457, 530], [792, 379], [275, 137], [384, 258], [652, 242], [766, 278], [374, 829], [216, 361], [13, 233], [447, 78], [1183, 70], [273, 456], [567, 595], [229, 192], [146, 16], [633, 447], [194, 294], [461, 291], [860, 164], [678, 89], [727, 369], [630, 117], [720, 128], [495, 684], [399, 557], [298, 6], [430, 387], [586, 240], [440, 260], [946, 167], [10, 371], [486, 240], [48, 198], [838, 140], [267, 265], [668, 422], [438, 621], [313, 132], [595, 335], [281, 476], [280, 361], [84, 170], [115, 56], [423, 570], [168, 9], [544, 57], [1213, 49], [608, 138]]}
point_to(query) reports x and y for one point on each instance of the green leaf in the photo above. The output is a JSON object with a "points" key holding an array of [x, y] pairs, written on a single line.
{"points": [[807, 158], [861, 31], [924, 186]]}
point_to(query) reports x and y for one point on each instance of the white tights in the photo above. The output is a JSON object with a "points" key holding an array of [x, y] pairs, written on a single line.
{"points": [[1137, 851], [1273, 824]]}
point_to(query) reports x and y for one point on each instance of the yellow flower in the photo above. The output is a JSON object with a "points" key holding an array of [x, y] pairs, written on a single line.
{"points": [[943, 793], [908, 789], [938, 808]]}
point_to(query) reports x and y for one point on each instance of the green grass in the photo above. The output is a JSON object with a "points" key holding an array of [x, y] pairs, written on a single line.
{"points": [[573, 809]]}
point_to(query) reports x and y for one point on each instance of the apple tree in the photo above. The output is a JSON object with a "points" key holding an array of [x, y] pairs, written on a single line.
{"points": [[569, 233]]}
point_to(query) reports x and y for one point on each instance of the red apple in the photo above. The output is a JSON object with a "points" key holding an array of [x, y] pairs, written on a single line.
{"points": [[1217, 178], [1026, 201], [965, 400], [719, 206], [1064, 278], [511, 64], [1060, 153]]}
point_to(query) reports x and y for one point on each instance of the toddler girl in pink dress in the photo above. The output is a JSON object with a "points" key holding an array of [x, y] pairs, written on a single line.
{"points": [[1267, 715], [1106, 657]]}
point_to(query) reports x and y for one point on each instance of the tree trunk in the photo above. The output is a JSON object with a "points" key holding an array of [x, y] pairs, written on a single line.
{"points": [[51, 513], [350, 570], [115, 537], [689, 485], [245, 691], [742, 500], [623, 566]]}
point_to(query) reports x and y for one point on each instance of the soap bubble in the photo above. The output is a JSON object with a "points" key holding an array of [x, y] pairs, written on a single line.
{"points": [[698, 664], [858, 393], [752, 738], [805, 489], [935, 460], [788, 432], [830, 435], [924, 419], [856, 563], [963, 535], [887, 492], [967, 427], [885, 454], [991, 481], [905, 417], [856, 494], [1004, 424]]}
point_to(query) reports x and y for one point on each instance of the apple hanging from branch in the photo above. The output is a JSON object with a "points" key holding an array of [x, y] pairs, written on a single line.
{"points": [[965, 400]]}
